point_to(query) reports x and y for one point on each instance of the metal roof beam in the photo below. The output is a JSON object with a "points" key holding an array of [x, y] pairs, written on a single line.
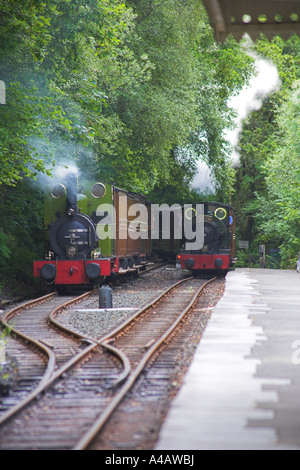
{"points": [[255, 17]]}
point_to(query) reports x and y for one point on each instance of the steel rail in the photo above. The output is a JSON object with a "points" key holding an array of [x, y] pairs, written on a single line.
{"points": [[84, 442], [66, 305], [26, 305], [39, 344], [124, 359], [135, 316], [49, 376], [105, 340]]}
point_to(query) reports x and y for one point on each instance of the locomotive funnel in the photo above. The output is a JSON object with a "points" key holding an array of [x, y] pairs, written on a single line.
{"points": [[71, 185]]}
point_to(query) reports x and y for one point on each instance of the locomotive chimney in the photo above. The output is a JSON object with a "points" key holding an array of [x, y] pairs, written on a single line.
{"points": [[71, 185]]}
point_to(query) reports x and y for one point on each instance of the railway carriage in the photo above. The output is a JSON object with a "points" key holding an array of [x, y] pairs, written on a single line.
{"points": [[166, 244]]}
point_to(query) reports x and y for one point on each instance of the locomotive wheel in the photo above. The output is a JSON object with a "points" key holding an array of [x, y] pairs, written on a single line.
{"points": [[137, 260], [124, 263]]}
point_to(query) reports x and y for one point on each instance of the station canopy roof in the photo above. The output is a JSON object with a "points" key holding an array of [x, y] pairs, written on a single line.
{"points": [[255, 17]]}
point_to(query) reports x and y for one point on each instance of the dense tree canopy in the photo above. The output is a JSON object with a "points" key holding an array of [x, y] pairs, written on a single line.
{"points": [[124, 83], [278, 215], [134, 92], [267, 181]]}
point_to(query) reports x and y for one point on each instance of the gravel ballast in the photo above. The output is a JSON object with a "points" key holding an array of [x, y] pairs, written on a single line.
{"points": [[135, 293]]}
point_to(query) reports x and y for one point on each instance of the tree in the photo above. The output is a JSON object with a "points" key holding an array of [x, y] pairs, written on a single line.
{"points": [[132, 92], [264, 189], [58, 71], [279, 215]]}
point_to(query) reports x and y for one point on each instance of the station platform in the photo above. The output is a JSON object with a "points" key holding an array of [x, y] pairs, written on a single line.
{"points": [[242, 390]]}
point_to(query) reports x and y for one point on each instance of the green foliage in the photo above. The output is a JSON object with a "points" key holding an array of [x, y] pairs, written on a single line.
{"points": [[5, 251], [132, 92], [61, 60], [224, 69], [281, 221], [267, 181], [20, 235], [247, 258], [124, 83]]}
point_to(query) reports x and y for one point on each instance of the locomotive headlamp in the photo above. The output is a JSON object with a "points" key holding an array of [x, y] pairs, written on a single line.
{"points": [[71, 211], [98, 190], [190, 213], [58, 191], [221, 213]]}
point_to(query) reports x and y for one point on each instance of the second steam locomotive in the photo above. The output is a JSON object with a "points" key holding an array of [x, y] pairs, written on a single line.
{"points": [[217, 254]]}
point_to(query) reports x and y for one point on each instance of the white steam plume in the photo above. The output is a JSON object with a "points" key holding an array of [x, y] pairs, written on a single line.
{"points": [[204, 180], [251, 98], [265, 81]]}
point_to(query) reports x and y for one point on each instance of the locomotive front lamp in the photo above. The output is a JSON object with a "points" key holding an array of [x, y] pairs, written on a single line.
{"points": [[58, 191], [190, 213], [98, 190], [220, 213]]}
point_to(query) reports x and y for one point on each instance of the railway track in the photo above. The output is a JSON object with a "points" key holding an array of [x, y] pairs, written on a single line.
{"points": [[87, 378], [45, 347]]}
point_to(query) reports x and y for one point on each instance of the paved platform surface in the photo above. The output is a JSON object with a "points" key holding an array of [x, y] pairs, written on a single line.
{"points": [[242, 391]]}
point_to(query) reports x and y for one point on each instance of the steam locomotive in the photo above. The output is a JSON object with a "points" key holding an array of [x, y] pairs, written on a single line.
{"points": [[86, 229], [217, 254]]}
